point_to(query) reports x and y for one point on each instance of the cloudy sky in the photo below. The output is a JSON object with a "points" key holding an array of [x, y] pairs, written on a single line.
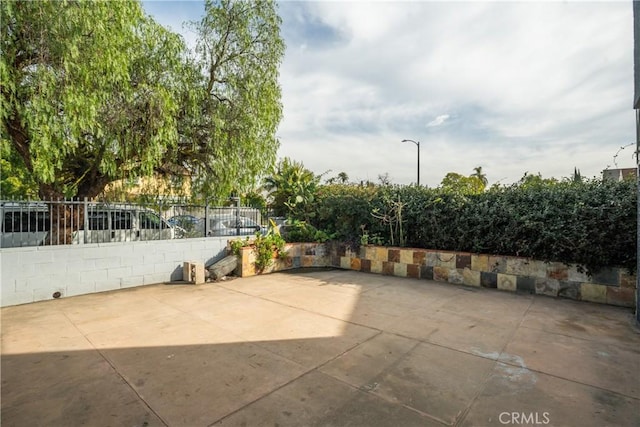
{"points": [[512, 87]]}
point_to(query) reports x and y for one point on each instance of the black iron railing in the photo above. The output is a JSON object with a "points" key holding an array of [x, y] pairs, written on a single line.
{"points": [[62, 222]]}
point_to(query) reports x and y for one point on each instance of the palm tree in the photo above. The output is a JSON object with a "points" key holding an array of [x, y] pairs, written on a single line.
{"points": [[291, 187], [481, 176]]}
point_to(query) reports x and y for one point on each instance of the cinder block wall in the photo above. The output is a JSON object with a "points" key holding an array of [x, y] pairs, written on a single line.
{"points": [[35, 273]]}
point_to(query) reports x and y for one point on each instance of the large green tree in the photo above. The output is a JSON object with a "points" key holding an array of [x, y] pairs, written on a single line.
{"points": [[93, 92], [536, 181], [462, 185], [71, 75], [227, 135]]}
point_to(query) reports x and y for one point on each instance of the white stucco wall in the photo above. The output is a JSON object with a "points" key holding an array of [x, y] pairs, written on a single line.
{"points": [[34, 273]]}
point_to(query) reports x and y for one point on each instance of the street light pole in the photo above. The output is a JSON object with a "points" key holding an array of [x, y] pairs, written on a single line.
{"points": [[417, 145]]}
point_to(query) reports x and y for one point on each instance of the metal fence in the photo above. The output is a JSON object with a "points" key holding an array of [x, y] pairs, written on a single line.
{"points": [[63, 222]]}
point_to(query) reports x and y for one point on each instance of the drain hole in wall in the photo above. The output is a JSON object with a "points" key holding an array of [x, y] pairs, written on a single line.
{"points": [[57, 294]]}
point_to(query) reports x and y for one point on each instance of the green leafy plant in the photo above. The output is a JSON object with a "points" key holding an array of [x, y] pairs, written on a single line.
{"points": [[364, 239], [302, 231], [391, 216], [265, 248], [292, 188], [238, 244], [370, 239]]}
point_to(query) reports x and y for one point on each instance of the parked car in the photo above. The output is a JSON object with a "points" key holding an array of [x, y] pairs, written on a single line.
{"points": [[29, 224], [24, 224], [233, 226], [184, 221], [187, 226], [118, 223]]}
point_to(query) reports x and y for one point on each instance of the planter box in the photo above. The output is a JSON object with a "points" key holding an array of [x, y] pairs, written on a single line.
{"points": [[298, 255]]}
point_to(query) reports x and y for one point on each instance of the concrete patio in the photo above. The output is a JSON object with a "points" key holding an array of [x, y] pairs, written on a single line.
{"points": [[325, 348]]}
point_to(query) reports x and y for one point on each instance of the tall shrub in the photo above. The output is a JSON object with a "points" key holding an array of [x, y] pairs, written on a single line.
{"points": [[591, 223]]}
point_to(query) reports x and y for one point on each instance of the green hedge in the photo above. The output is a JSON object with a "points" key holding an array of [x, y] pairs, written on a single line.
{"points": [[590, 223]]}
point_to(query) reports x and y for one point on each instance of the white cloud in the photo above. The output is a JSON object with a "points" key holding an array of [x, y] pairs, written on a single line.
{"points": [[527, 87], [438, 120], [537, 87]]}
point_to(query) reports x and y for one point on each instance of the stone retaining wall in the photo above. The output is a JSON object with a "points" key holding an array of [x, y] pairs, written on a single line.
{"points": [[297, 255], [612, 286]]}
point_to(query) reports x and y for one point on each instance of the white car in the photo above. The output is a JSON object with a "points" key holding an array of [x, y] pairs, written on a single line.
{"points": [[234, 226], [29, 224], [24, 224], [120, 223]]}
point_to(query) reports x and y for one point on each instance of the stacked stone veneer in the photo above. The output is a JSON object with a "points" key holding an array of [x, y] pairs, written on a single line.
{"points": [[609, 285], [297, 255]]}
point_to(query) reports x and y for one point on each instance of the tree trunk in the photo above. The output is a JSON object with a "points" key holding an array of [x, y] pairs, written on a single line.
{"points": [[65, 219], [223, 267]]}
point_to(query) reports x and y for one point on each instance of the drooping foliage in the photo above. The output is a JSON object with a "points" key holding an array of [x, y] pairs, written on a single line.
{"points": [[15, 181], [94, 92], [227, 137], [70, 76]]}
